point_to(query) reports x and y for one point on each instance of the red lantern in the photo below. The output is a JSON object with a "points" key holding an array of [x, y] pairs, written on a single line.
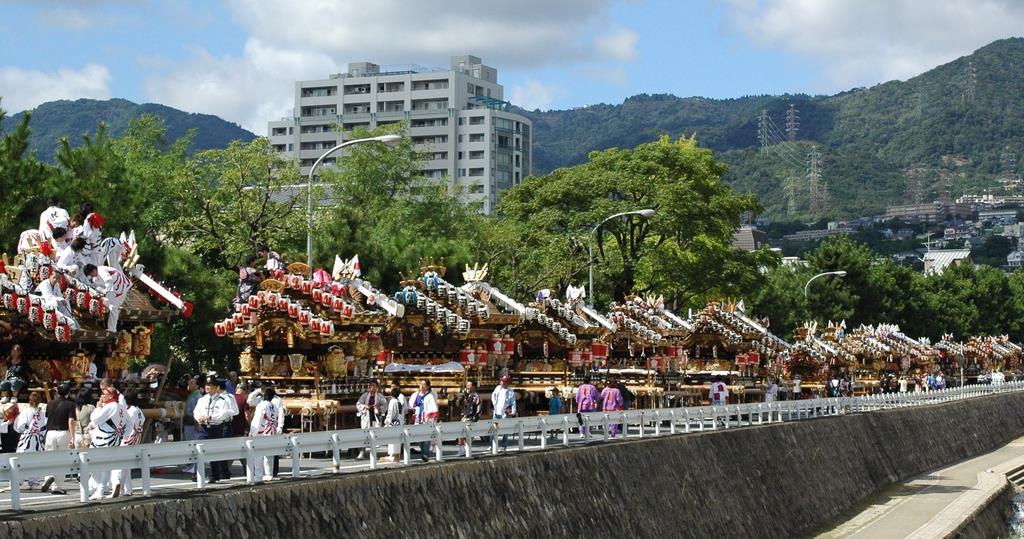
{"points": [[337, 303], [337, 289], [347, 311], [49, 320], [295, 282], [576, 358], [255, 302], [588, 357], [317, 295], [466, 356], [23, 304], [304, 317], [509, 346], [35, 313], [670, 351], [600, 350], [307, 287], [293, 310], [314, 324], [238, 319], [384, 357], [481, 356], [229, 325], [262, 295], [10, 301], [63, 333], [754, 358], [326, 300], [246, 309], [219, 329], [282, 303], [496, 345], [327, 328]]}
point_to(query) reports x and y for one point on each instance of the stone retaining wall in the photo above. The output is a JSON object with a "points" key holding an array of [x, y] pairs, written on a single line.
{"points": [[772, 481]]}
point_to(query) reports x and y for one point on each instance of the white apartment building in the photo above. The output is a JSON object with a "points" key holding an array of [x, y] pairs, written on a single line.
{"points": [[458, 118]]}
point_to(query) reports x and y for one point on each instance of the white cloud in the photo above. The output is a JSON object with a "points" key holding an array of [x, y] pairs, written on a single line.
{"points": [[23, 89], [66, 18], [292, 40], [251, 89], [863, 42], [532, 95], [618, 44], [526, 33]]}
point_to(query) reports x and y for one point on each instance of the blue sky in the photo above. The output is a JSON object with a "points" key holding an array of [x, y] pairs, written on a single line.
{"points": [[239, 58]]}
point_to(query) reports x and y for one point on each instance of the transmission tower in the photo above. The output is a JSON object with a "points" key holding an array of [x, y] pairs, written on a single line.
{"points": [[792, 187], [915, 192], [762, 131], [971, 83], [825, 199], [814, 178], [792, 122]]}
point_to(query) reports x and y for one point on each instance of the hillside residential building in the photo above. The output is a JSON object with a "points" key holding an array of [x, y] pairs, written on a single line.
{"points": [[937, 260], [456, 117], [928, 213], [749, 239]]}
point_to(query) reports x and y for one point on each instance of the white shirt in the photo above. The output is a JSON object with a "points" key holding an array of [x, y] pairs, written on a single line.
{"points": [[69, 261], [772, 393], [51, 218], [719, 393], [133, 432], [254, 400], [216, 409], [502, 398], [265, 419]]}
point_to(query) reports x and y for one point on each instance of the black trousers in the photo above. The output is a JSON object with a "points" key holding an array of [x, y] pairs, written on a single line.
{"points": [[218, 469]]}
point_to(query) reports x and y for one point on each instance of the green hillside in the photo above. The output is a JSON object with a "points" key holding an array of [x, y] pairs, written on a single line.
{"points": [[952, 129], [55, 119]]}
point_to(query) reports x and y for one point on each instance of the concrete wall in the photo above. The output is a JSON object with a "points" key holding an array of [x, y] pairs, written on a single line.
{"points": [[771, 481]]}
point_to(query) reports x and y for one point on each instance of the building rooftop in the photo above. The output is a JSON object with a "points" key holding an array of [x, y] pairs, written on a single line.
{"points": [[937, 260]]}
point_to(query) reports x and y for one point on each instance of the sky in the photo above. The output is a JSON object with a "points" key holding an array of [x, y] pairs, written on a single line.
{"points": [[238, 59]]}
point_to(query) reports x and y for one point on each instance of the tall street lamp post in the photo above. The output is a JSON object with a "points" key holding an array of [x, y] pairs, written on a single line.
{"points": [[839, 273], [390, 140]]}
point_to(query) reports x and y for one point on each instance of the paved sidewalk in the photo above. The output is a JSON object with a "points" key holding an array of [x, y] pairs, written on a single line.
{"points": [[931, 505]]}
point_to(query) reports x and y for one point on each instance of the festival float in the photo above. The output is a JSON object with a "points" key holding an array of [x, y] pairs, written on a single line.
{"points": [[317, 336], [72, 328], [729, 344]]}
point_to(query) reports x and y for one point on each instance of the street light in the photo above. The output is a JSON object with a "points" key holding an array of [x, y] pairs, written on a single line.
{"points": [[645, 213], [839, 273], [390, 140]]}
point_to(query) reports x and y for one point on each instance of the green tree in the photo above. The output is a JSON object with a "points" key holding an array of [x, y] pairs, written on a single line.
{"points": [[20, 178], [383, 209], [840, 298], [684, 251], [229, 201]]}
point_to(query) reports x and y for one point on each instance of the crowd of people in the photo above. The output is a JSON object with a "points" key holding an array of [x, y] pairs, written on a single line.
{"points": [[72, 248]]}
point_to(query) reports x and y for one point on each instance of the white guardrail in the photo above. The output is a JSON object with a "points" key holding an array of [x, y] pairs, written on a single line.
{"points": [[653, 422]]}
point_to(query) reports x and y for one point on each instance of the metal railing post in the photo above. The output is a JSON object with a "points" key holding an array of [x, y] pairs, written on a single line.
{"points": [[15, 484], [250, 463], [146, 473], [293, 442]]}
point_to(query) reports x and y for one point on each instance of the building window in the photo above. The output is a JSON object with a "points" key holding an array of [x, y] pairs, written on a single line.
{"points": [[439, 84], [462, 172], [476, 154], [476, 172], [323, 91], [476, 137], [460, 138], [290, 146], [476, 120], [319, 111], [278, 131], [476, 189]]}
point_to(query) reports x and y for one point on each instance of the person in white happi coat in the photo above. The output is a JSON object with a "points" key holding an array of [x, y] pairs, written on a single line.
{"points": [[92, 231], [115, 286], [254, 400], [69, 259], [265, 422], [53, 299], [122, 479], [423, 405], [370, 408], [718, 395], [31, 424], [395, 416], [53, 217], [503, 399], [108, 427]]}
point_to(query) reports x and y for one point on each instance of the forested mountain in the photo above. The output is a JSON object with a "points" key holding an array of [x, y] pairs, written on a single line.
{"points": [[56, 119], [958, 126]]}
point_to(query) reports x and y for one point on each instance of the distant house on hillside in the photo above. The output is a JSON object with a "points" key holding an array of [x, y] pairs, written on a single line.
{"points": [[1015, 259], [749, 239], [937, 260]]}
